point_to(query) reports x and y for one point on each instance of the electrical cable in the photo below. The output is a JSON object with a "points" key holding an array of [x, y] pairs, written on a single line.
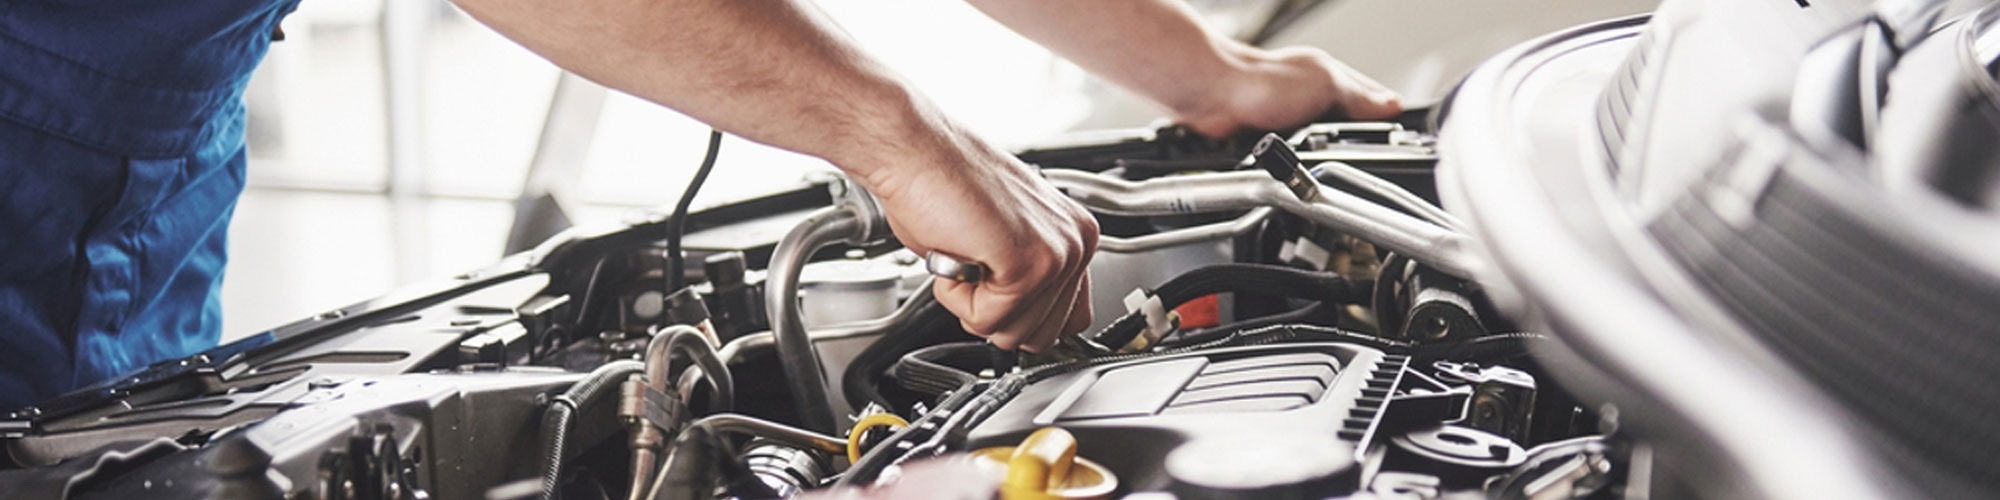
{"points": [[677, 223], [556, 419], [1257, 279]]}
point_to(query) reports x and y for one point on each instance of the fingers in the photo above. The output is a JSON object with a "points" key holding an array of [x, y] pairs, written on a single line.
{"points": [[1030, 317], [1362, 98], [1035, 311], [1035, 242], [1050, 327], [1080, 313]]}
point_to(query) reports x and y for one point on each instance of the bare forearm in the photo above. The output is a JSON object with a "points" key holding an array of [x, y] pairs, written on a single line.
{"points": [[1216, 85], [1157, 48], [775, 72]]}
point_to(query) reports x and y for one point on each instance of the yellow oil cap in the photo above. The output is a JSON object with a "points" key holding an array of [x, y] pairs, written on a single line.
{"points": [[1045, 467]]}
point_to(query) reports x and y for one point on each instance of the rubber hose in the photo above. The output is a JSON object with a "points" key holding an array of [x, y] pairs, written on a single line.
{"points": [[555, 428], [929, 371], [556, 419], [1193, 337], [798, 357], [1500, 345], [1388, 309], [677, 224], [1255, 279], [931, 325]]}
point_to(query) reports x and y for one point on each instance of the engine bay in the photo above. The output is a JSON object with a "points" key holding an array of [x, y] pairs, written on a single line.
{"points": [[572, 367], [1281, 315]]}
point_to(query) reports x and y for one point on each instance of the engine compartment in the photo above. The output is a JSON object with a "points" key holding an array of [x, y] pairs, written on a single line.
{"points": [[1249, 323], [1278, 316]]}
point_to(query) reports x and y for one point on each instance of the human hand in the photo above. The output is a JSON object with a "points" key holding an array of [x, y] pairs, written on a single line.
{"points": [[1282, 88], [967, 199]]}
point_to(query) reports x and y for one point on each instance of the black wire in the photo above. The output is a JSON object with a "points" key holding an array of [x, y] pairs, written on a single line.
{"points": [[676, 225]]}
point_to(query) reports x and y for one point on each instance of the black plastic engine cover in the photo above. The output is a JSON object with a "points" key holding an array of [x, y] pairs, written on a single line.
{"points": [[1129, 416]]}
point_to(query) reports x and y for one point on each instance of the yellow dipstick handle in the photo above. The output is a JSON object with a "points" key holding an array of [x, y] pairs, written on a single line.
{"points": [[1041, 463], [866, 423]]}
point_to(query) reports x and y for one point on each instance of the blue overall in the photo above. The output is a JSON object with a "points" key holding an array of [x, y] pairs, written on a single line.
{"points": [[121, 159]]}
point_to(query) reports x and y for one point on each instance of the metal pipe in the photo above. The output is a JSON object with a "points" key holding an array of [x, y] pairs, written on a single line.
{"points": [[1440, 248], [752, 426], [1180, 194], [1390, 191], [646, 439], [781, 297], [1185, 235], [1443, 249], [753, 341], [694, 342], [658, 351], [644, 462], [681, 464]]}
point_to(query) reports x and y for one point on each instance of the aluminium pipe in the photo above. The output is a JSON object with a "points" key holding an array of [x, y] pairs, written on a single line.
{"points": [[1390, 191], [687, 475], [646, 438], [1443, 249], [658, 351], [1181, 236], [781, 297]]}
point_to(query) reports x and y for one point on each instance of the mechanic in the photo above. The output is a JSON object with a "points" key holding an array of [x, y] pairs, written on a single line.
{"points": [[122, 152]]}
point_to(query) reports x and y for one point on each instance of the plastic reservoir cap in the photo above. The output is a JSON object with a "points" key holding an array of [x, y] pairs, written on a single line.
{"points": [[1262, 465], [1045, 466]]}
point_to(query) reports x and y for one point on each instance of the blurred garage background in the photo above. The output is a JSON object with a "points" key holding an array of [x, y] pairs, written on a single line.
{"points": [[390, 141]]}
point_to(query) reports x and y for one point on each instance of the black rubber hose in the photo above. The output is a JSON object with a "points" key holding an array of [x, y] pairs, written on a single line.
{"points": [[1388, 309], [931, 325], [929, 370], [555, 428], [1210, 334], [677, 225], [796, 354], [1497, 345], [1254, 279], [555, 420], [689, 343]]}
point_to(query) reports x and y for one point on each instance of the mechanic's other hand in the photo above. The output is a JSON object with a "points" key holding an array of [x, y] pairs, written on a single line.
{"points": [[1283, 88], [965, 198]]}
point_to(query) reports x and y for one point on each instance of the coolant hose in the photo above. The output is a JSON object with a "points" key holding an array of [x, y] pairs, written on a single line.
{"points": [[555, 420], [803, 374]]}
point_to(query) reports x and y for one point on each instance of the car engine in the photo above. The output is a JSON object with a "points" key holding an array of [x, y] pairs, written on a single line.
{"points": [[1600, 314]]}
